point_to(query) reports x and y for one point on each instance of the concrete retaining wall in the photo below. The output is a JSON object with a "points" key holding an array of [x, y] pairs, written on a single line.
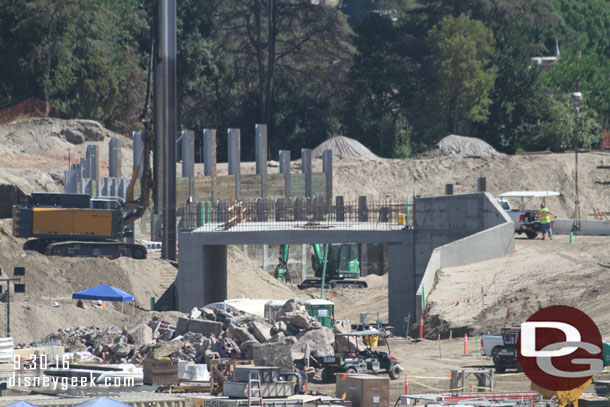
{"points": [[485, 231]]}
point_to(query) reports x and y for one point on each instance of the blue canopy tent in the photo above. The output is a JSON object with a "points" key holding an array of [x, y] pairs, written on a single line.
{"points": [[102, 402], [21, 404], [104, 292]]}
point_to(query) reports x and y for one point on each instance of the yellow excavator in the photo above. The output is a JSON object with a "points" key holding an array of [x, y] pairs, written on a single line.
{"points": [[76, 225]]}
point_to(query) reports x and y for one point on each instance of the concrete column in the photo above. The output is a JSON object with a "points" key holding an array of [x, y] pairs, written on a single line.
{"points": [[364, 260], [234, 159], [79, 174], [103, 187], [481, 184], [363, 213], [401, 284], [261, 156], [306, 169], [246, 250], [285, 169], [340, 210], [327, 167], [448, 189], [304, 258], [86, 186], [265, 257], [93, 157], [70, 181], [202, 274], [85, 167], [209, 160], [114, 158], [138, 149], [112, 186], [188, 153]]}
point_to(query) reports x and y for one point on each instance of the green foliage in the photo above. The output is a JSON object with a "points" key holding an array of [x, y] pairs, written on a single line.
{"points": [[409, 73], [516, 92], [71, 53], [461, 60]]}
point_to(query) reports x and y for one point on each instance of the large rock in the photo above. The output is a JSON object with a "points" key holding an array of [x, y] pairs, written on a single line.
{"points": [[182, 326], [246, 349], [301, 321], [261, 330], [140, 334], [201, 326], [273, 354], [345, 343], [320, 342], [205, 327], [241, 334], [167, 348], [121, 350], [290, 308]]}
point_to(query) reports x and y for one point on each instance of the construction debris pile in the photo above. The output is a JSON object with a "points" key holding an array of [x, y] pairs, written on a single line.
{"points": [[287, 341]]}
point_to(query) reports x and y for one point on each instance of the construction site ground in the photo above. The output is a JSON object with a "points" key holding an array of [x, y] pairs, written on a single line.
{"points": [[475, 298]]}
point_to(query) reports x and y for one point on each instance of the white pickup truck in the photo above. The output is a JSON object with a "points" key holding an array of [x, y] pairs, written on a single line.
{"points": [[488, 342], [525, 220]]}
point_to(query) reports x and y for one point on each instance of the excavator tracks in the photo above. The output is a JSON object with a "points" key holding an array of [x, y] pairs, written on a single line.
{"points": [[111, 250], [317, 283]]}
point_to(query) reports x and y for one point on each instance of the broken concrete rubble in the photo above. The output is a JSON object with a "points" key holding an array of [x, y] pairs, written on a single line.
{"points": [[205, 334]]}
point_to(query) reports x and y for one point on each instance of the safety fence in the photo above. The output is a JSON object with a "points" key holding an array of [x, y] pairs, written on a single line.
{"points": [[281, 214], [31, 107]]}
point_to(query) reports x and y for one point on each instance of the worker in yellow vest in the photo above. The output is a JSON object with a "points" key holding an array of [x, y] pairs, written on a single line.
{"points": [[545, 218]]}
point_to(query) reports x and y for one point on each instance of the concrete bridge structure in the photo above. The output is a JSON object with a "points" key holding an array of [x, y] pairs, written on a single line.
{"points": [[448, 230]]}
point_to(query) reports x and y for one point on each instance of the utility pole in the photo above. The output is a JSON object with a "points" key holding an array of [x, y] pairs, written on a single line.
{"points": [[576, 99]]}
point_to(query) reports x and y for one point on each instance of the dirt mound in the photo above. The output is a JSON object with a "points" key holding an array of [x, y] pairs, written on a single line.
{"points": [[465, 147], [343, 146], [247, 280], [506, 291], [35, 152]]}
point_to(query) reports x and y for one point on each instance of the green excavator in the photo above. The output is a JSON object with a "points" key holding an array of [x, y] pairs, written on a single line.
{"points": [[342, 266]]}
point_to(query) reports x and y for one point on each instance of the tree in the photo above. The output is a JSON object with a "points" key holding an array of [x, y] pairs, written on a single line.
{"points": [[461, 59], [73, 55], [381, 78], [516, 93], [267, 37]]}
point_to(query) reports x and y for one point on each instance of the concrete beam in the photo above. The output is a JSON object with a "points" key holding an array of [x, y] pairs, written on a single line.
{"points": [[300, 236]]}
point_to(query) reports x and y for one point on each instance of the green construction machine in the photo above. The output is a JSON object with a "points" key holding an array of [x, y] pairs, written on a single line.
{"points": [[342, 266]]}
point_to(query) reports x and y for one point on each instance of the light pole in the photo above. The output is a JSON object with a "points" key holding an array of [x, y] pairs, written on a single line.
{"points": [[576, 100], [18, 272]]}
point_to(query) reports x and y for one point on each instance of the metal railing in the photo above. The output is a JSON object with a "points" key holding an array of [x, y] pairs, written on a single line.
{"points": [[280, 214]]}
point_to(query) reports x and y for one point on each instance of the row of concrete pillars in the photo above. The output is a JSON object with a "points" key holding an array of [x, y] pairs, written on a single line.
{"points": [[234, 161], [84, 177]]}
